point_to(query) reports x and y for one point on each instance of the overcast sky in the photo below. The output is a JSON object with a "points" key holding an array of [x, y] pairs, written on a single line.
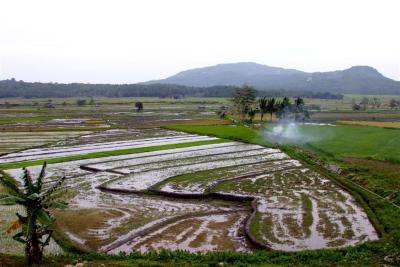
{"points": [[132, 41]]}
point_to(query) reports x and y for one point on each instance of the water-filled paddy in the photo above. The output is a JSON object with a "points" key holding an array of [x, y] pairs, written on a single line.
{"points": [[201, 196]]}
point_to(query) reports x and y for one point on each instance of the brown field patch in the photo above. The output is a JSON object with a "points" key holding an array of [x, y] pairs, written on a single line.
{"points": [[384, 124]]}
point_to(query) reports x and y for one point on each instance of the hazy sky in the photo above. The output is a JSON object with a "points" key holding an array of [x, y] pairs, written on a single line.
{"points": [[131, 41]]}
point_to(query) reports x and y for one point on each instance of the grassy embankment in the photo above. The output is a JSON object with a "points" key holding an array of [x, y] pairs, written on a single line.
{"points": [[368, 254]]}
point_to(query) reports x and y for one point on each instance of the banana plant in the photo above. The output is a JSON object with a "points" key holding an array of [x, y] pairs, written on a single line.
{"points": [[36, 224]]}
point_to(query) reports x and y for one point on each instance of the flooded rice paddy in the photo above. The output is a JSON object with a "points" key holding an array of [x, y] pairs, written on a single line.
{"points": [[200, 197]]}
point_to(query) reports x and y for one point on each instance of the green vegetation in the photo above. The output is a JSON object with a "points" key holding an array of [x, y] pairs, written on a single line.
{"points": [[381, 177], [341, 140], [354, 141], [368, 155], [243, 100], [23, 120], [345, 140], [22, 164], [307, 209], [36, 226], [368, 254], [233, 132], [342, 144]]}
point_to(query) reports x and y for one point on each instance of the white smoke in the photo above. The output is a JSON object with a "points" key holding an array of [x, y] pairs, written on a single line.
{"points": [[289, 132]]}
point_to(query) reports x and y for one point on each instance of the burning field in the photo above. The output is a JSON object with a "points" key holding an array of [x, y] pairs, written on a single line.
{"points": [[178, 191]]}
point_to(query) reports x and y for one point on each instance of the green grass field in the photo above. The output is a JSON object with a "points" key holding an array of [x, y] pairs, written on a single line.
{"points": [[353, 141], [339, 141]]}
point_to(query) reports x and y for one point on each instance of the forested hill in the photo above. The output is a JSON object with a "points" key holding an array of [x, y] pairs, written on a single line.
{"points": [[355, 80], [13, 88]]}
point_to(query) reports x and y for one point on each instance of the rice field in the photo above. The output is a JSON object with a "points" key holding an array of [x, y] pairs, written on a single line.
{"points": [[16, 141], [204, 197], [383, 124]]}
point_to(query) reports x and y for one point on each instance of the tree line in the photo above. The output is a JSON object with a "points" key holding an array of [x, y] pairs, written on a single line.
{"points": [[13, 88], [373, 103], [247, 105]]}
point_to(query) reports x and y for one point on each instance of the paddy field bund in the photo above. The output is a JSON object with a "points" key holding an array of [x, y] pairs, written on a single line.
{"points": [[179, 191]]}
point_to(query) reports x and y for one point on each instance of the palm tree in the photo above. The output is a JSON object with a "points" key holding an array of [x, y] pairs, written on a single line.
{"points": [[36, 225], [299, 103], [262, 105], [139, 106], [271, 107], [252, 113], [284, 107]]}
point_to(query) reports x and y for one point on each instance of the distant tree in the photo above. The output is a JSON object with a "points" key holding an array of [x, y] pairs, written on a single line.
{"points": [[243, 100], [36, 225], [299, 104], [252, 113], [49, 104], [64, 103], [91, 102], [364, 102], [81, 102], [284, 107], [356, 107], [375, 102], [262, 105], [222, 112], [393, 104], [139, 106], [272, 107]]}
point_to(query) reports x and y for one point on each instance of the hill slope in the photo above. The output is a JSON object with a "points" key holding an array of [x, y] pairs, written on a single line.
{"points": [[355, 80]]}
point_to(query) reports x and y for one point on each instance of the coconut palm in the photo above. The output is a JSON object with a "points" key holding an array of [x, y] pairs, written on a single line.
{"points": [[262, 105], [36, 225], [299, 103], [284, 107], [271, 107], [252, 113]]}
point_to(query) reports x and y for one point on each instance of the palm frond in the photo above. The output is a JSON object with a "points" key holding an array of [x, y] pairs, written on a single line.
{"points": [[57, 205], [45, 218], [19, 237], [47, 240], [30, 225], [28, 184], [10, 185], [39, 182], [6, 199], [54, 187]]}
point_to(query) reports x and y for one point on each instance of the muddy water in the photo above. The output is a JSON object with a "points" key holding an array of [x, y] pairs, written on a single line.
{"points": [[195, 234], [61, 152], [298, 208], [330, 219], [144, 180], [199, 151]]}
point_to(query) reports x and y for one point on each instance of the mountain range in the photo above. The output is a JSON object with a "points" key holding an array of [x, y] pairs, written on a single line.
{"points": [[355, 80]]}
